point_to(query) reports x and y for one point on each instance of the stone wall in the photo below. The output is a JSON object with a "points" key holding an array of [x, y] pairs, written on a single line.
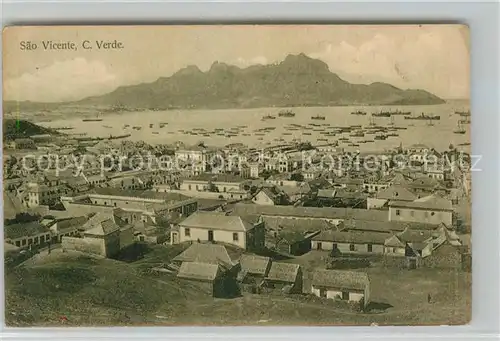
{"points": [[86, 245]]}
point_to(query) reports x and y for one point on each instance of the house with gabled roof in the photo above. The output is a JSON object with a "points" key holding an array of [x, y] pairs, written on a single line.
{"points": [[223, 228], [205, 253], [284, 277], [432, 209], [269, 195], [253, 270], [393, 192], [350, 286], [207, 277]]}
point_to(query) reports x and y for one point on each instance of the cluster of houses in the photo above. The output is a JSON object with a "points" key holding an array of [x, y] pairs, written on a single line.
{"points": [[407, 219]]}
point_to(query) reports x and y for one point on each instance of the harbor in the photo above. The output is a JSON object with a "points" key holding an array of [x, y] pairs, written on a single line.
{"points": [[345, 127]]}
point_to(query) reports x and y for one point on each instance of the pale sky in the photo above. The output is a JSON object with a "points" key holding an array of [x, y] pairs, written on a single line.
{"points": [[430, 57]]}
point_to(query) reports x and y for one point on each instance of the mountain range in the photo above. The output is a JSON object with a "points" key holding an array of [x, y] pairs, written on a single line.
{"points": [[296, 81]]}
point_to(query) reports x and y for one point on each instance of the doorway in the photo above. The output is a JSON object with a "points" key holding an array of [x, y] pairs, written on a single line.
{"points": [[210, 236]]}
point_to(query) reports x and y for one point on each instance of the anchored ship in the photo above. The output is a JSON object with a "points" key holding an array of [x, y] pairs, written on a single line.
{"points": [[359, 113], [286, 113], [423, 117]]}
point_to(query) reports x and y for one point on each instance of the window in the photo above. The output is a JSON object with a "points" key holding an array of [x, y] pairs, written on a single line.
{"points": [[322, 292], [426, 214], [432, 213], [351, 247], [334, 247], [30, 241], [235, 237], [345, 295], [36, 240], [187, 232], [398, 212], [18, 243], [189, 187], [105, 203], [115, 204], [412, 213], [24, 242], [225, 189], [370, 248], [319, 246]]}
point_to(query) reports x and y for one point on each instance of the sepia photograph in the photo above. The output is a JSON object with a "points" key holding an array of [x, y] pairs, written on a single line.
{"points": [[231, 175]]}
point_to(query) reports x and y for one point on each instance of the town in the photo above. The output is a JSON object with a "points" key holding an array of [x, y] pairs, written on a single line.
{"points": [[346, 237]]}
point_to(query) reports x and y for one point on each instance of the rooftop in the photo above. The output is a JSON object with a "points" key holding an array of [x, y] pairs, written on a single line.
{"points": [[103, 228], [286, 272], [255, 264], [431, 202], [311, 212], [16, 231], [205, 253], [352, 237], [217, 221], [340, 279], [198, 271], [163, 196], [217, 178]]}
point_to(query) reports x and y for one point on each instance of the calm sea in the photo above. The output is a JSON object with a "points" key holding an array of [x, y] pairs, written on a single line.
{"points": [[245, 122]]}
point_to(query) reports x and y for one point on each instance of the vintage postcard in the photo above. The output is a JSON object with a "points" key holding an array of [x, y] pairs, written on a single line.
{"points": [[237, 175]]}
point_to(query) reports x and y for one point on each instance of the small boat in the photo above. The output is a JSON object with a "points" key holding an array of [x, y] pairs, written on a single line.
{"points": [[268, 117], [306, 133], [137, 128], [380, 137], [107, 127], [155, 132], [151, 125], [64, 128], [318, 117]]}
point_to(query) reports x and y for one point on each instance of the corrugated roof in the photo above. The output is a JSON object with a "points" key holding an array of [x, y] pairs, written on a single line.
{"points": [[217, 221], [340, 279], [199, 271], [285, 272], [255, 264]]}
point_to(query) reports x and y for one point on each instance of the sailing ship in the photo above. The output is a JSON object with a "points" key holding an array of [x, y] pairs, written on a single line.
{"points": [[460, 129]]}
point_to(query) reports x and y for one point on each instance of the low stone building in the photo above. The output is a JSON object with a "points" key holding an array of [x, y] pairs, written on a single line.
{"points": [[350, 286]]}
